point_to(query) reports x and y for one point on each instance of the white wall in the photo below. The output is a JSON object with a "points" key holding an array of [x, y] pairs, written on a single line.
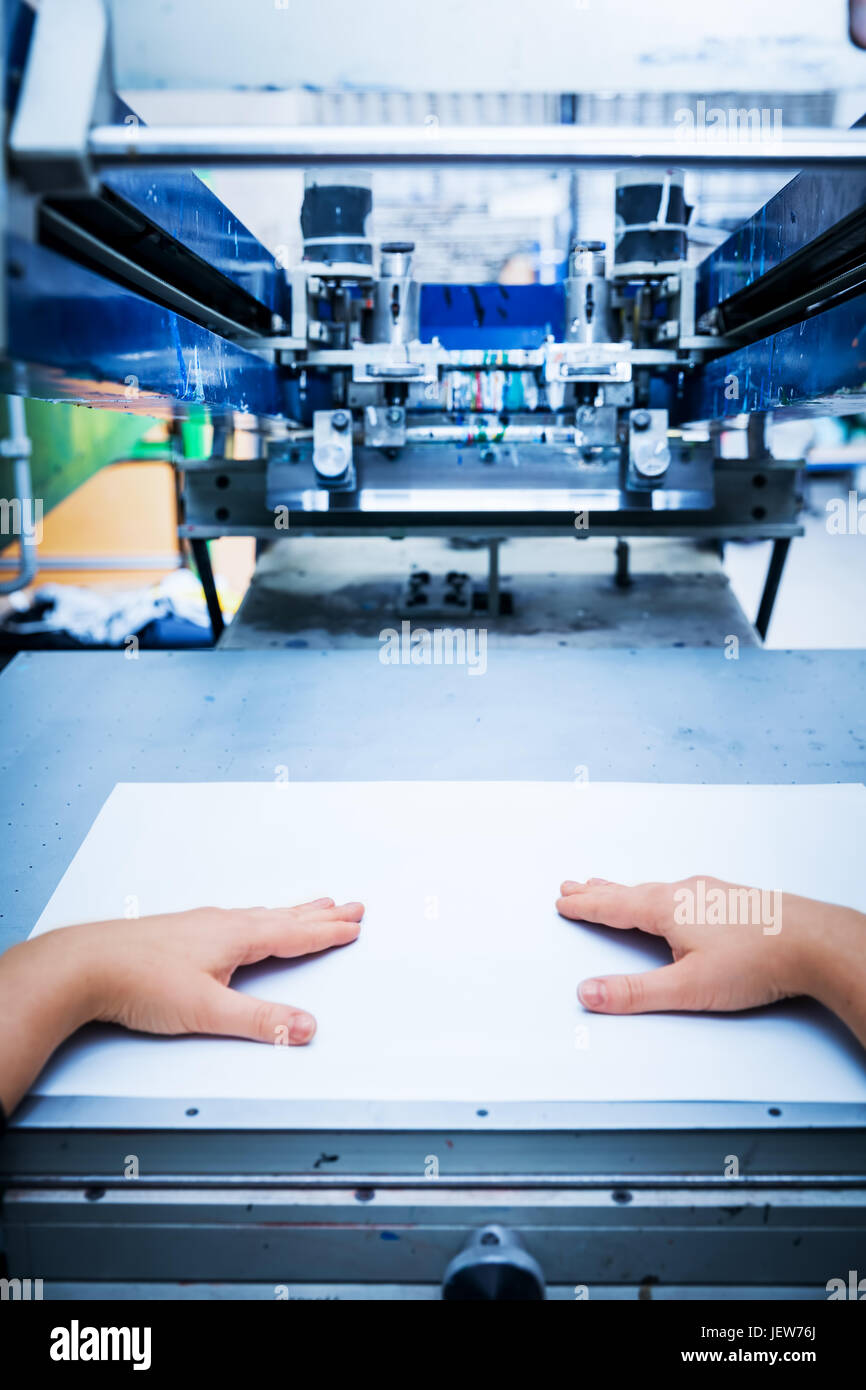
{"points": [[486, 45]]}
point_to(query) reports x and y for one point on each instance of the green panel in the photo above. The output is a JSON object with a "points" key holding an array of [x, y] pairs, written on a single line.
{"points": [[72, 442]]}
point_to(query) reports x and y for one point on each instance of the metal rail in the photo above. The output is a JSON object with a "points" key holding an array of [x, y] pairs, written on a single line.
{"points": [[114, 146]]}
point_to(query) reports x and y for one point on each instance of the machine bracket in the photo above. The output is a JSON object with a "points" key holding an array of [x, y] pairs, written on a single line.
{"points": [[68, 70]]}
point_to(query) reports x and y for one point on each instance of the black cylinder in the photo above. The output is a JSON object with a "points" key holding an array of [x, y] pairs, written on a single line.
{"points": [[334, 224], [644, 206]]}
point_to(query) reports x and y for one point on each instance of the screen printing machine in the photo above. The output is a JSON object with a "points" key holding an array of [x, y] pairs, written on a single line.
{"points": [[383, 406]]}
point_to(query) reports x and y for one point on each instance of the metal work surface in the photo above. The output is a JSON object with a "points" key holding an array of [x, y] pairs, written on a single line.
{"points": [[76, 723]]}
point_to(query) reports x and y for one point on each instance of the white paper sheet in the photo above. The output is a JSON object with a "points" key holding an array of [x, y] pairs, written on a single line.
{"points": [[463, 982]]}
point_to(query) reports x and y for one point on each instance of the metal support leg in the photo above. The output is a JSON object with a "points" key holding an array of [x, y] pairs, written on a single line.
{"points": [[201, 555], [756, 435], [622, 577], [493, 581], [771, 585]]}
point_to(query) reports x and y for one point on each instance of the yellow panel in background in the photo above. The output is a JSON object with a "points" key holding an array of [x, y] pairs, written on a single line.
{"points": [[123, 519], [119, 531]]}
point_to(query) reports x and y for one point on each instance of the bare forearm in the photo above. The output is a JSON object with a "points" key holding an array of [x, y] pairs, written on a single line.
{"points": [[834, 963], [44, 997], [166, 974]]}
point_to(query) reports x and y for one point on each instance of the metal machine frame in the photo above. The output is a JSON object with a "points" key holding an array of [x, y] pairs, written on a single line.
{"points": [[598, 1191]]}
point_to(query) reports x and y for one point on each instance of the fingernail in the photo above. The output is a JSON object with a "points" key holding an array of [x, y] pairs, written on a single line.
{"points": [[569, 886], [302, 1028], [598, 880], [592, 993]]}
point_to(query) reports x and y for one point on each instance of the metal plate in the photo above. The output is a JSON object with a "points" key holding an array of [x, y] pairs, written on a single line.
{"points": [[611, 1236]]}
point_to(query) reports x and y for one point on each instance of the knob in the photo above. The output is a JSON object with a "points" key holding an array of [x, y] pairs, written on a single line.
{"points": [[651, 457], [493, 1266]]}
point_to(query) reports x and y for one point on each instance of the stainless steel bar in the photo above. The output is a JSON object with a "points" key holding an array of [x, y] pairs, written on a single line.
{"points": [[482, 431], [297, 1183], [492, 432], [493, 602], [112, 146]]}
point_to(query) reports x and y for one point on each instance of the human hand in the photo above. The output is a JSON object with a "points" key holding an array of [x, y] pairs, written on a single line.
{"points": [[162, 974], [170, 974], [732, 947]]}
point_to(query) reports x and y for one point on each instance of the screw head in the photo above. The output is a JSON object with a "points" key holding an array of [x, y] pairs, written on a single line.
{"points": [[340, 420]]}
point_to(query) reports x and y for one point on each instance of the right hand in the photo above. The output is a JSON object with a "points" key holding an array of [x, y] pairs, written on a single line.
{"points": [[766, 947]]}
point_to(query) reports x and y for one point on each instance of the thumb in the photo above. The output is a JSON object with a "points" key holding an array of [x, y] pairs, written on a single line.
{"points": [[232, 1014], [669, 987]]}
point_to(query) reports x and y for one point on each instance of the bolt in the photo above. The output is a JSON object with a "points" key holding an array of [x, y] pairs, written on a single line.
{"points": [[340, 420], [394, 416], [641, 420]]}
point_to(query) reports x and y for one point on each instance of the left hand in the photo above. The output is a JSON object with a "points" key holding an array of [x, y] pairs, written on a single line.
{"points": [[171, 974], [164, 974]]}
